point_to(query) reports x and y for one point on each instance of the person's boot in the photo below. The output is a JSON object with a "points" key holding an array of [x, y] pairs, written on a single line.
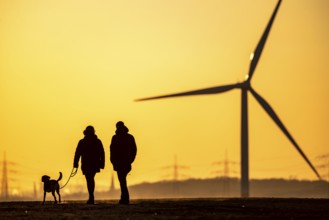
{"points": [[124, 202], [91, 200]]}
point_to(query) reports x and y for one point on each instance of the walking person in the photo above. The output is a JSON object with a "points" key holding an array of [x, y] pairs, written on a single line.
{"points": [[91, 151], [122, 154]]}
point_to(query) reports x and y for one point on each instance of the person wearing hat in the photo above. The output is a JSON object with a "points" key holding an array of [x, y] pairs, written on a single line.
{"points": [[91, 151], [122, 154]]}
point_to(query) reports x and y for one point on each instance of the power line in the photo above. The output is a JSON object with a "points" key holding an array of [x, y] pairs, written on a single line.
{"points": [[226, 166], [5, 179], [226, 171], [324, 165], [176, 175], [4, 182]]}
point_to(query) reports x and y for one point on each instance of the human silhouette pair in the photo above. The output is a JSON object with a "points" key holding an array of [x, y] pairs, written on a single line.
{"points": [[122, 154]]}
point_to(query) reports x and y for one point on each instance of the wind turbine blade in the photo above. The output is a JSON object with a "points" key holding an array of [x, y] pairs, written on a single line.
{"points": [[212, 90], [276, 119], [258, 51]]}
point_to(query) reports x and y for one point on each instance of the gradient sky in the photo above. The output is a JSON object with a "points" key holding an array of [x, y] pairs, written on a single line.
{"points": [[68, 64]]}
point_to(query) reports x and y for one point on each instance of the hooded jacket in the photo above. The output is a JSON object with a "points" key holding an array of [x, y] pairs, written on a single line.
{"points": [[123, 150], [91, 151]]}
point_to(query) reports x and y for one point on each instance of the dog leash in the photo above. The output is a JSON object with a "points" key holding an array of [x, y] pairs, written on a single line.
{"points": [[73, 172]]}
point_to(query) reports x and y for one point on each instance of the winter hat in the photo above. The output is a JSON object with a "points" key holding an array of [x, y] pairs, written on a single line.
{"points": [[89, 130], [121, 126]]}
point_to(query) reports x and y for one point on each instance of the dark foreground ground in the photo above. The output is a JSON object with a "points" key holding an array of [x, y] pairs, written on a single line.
{"points": [[254, 208]]}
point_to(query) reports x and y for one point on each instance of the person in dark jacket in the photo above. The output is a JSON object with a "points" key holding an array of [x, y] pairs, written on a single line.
{"points": [[122, 154], [91, 151]]}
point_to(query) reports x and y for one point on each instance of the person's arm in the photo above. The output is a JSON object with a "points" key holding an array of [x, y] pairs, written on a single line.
{"points": [[112, 149], [77, 156], [113, 155], [102, 156], [133, 149]]}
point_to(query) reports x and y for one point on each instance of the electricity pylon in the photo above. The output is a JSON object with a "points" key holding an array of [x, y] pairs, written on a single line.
{"points": [[226, 171]]}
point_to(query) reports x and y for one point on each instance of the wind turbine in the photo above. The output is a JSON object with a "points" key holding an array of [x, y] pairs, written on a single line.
{"points": [[245, 87]]}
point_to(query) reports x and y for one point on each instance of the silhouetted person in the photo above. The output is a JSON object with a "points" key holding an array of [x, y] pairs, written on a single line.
{"points": [[91, 151], [123, 152]]}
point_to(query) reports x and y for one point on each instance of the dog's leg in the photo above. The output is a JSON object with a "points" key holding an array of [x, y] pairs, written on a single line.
{"points": [[44, 197], [59, 195], [53, 192]]}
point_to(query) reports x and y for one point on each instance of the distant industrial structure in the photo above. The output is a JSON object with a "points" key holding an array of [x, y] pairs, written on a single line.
{"points": [[176, 175], [112, 186], [175, 168], [6, 170], [324, 167], [4, 180], [225, 174]]}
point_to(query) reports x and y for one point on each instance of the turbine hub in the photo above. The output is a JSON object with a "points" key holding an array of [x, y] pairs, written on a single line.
{"points": [[245, 84]]}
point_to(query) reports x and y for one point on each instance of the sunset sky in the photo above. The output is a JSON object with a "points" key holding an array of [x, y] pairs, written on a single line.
{"points": [[69, 64]]}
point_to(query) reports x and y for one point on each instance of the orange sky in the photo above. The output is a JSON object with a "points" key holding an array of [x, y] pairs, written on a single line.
{"points": [[69, 64]]}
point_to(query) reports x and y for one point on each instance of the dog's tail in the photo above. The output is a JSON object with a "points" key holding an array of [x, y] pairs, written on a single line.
{"points": [[60, 176]]}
